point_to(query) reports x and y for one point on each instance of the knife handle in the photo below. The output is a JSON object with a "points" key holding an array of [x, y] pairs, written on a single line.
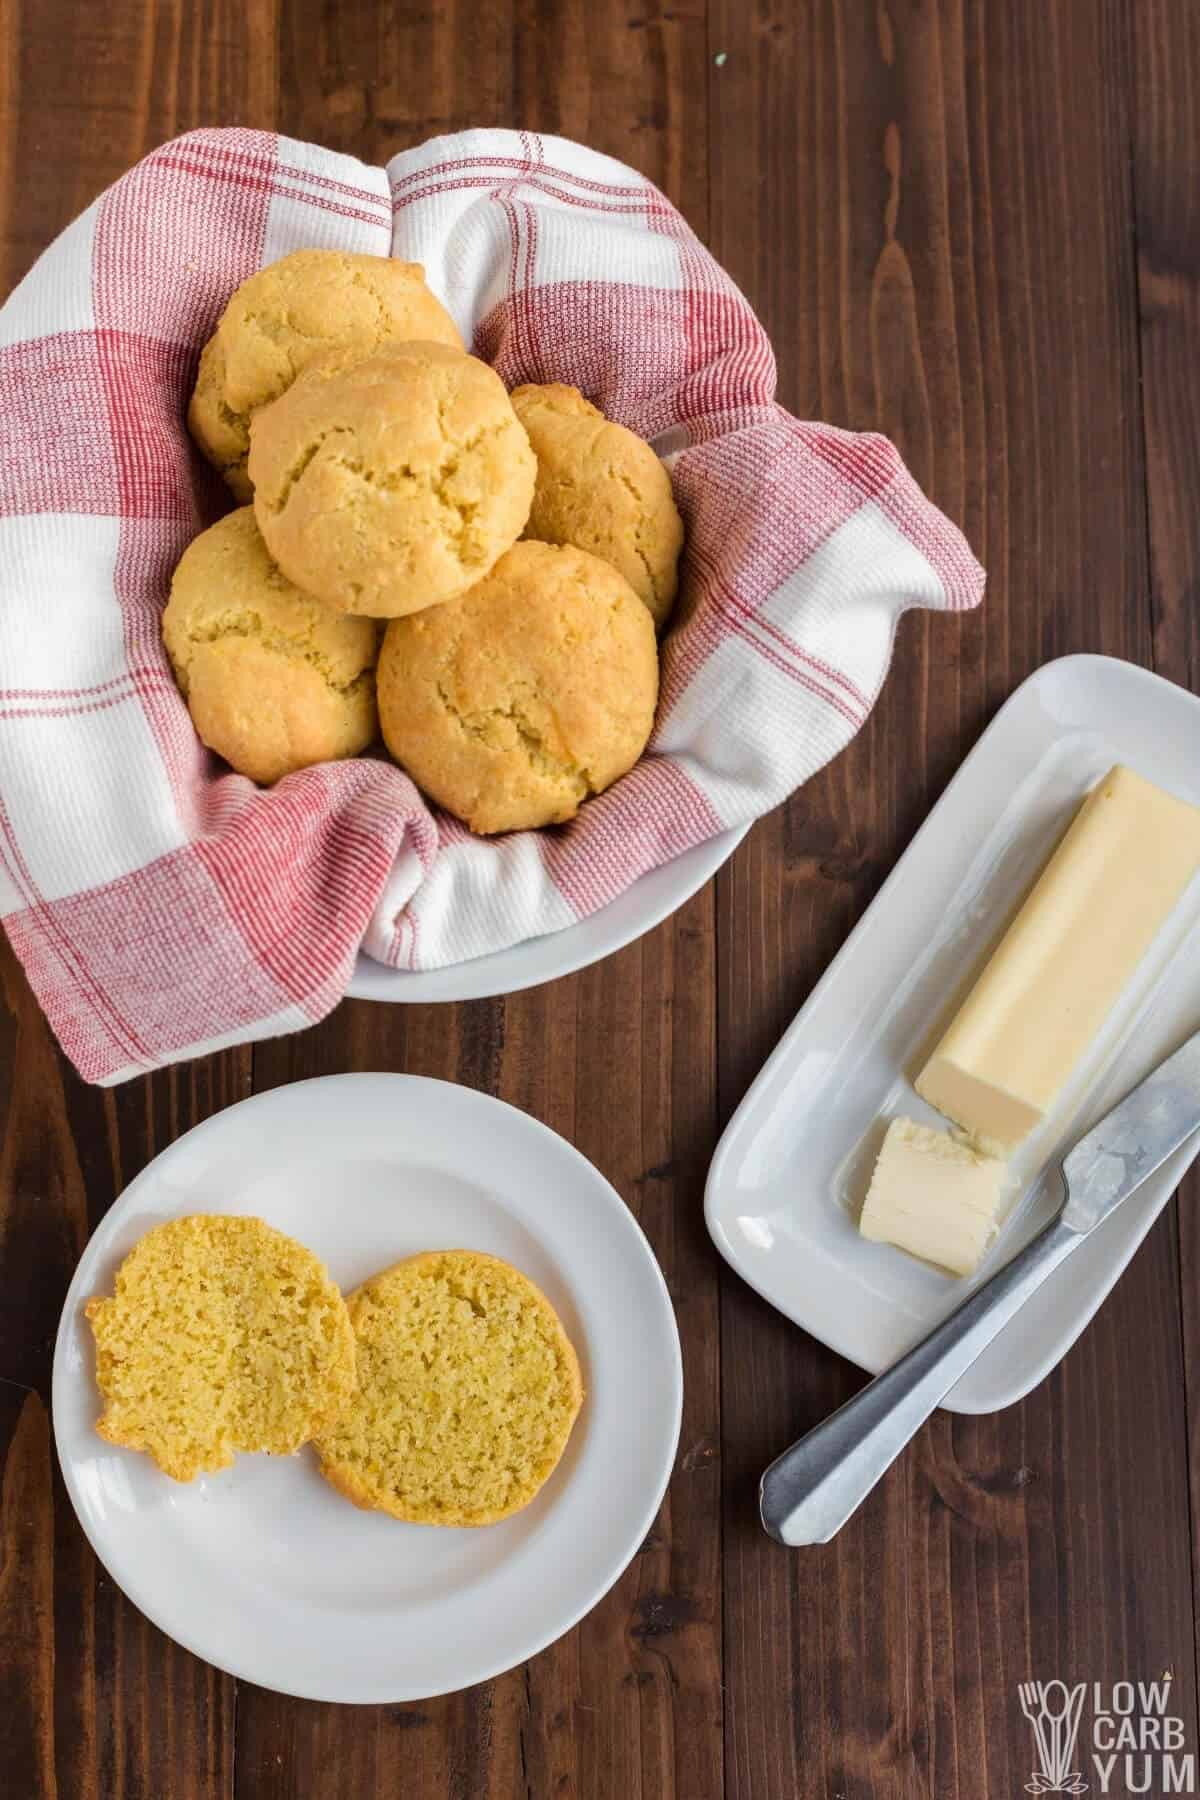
{"points": [[810, 1491]]}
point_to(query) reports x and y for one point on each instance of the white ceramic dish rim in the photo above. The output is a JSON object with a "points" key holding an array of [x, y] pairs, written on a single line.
{"points": [[649, 900]]}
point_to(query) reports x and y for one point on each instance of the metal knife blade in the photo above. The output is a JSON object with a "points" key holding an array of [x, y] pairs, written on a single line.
{"points": [[1131, 1141]]}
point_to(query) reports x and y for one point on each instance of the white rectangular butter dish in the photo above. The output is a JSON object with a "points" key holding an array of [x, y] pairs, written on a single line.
{"points": [[795, 1159]]}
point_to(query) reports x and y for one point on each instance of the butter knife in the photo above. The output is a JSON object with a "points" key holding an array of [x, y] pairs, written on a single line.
{"points": [[809, 1492]]}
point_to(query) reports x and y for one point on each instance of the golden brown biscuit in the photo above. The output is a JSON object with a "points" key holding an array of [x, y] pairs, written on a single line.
{"points": [[283, 316], [527, 694], [222, 1335], [468, 1389], [602, 488], [390, 483], [274, 679], [222, 434]]}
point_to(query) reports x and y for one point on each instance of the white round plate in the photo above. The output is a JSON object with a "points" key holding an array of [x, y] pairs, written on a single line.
{"points": [[651, 898], [264, 1569]]}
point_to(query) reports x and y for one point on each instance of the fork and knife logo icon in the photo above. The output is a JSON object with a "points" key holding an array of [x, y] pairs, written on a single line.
{"points": [[1053, 1710]]}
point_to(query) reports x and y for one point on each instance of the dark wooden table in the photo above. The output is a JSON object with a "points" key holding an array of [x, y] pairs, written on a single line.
{"points": [[975, 227]]}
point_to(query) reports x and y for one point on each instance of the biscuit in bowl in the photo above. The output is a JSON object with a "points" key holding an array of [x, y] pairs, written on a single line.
{"points": [[602, 488], [222, 1335], [388, 483], [283, 316], [222, 434], [468, 1389], [274, 680], [535, 689]]}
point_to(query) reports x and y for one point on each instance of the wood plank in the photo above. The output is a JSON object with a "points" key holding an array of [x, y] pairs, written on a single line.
{"points": [[929, 205], [1166, 137], [620, 1059], [95, 1703], [1166, 133], [371, 80], [84, 93]]}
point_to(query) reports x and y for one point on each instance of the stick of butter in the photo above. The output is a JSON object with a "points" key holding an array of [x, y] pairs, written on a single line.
{"points": [[933, 1196], [1124, 863]]}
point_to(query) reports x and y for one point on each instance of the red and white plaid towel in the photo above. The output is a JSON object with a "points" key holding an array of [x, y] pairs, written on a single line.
{"points": [[163, 907]]}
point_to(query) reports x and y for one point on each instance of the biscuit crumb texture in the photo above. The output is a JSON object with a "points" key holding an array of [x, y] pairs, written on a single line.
{"points": [[283, 316], [274, 679], [468, 1389], [513, 704], [603, 489], [389, 484], [222, 1335]]}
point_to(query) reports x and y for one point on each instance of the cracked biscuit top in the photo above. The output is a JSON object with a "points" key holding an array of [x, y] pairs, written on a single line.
{"points": [[389, 483], [535, 689], [274, 680], [602, 488], [279, 319]]}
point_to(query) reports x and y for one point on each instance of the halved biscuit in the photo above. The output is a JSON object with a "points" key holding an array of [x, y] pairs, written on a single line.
{"points": [[468, 1389], [222, 1335]]}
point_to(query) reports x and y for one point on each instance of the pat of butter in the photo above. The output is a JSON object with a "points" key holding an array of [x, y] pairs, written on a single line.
{"points": [[933, 1196], [1122, 866]]}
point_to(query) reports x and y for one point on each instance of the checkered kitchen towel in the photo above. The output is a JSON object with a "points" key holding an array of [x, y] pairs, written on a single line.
{"points": [[163, 907]]}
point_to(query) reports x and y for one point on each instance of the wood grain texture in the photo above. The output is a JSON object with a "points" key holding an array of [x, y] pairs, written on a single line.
{"points": [[94, 1701], [95, 1704], [83, 94], [938, 233], [1166, 136], [1166, 142], [972, 226]]}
